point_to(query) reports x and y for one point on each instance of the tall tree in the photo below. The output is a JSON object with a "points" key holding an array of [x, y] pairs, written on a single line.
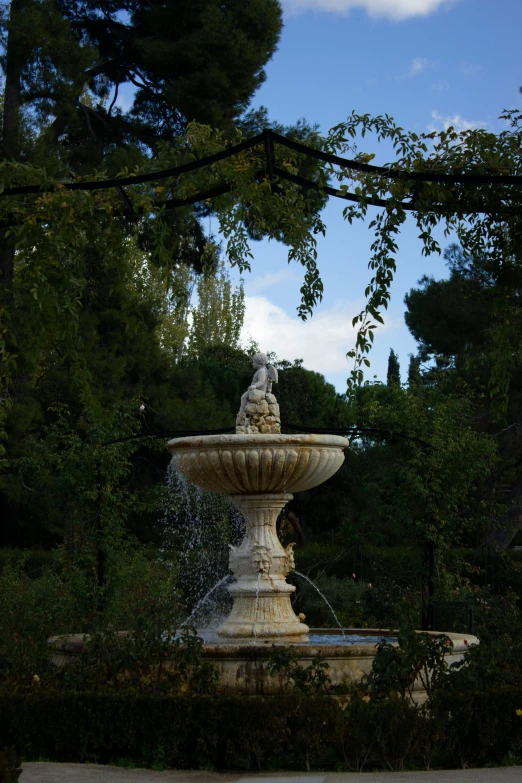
{"points": [[218, 316], [454, 321], [393, 376], [64, 62], [414, 373]]}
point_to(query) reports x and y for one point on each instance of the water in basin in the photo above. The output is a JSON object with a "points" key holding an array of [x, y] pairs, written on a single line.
{"points": [[316, 639]]}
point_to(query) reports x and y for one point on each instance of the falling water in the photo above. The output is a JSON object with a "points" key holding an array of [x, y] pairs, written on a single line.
{"points": [[203, 600], [327, 602], [254, 631], [199, 527]]}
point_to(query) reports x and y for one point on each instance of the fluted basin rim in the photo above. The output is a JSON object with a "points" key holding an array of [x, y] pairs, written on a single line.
{"points": [[258, 464], [231, 440]]}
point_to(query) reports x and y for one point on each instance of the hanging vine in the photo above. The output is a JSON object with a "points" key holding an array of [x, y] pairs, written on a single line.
{"points": [[280, 197]]}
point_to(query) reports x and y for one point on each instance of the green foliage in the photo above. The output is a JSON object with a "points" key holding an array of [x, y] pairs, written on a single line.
{"points": [[306, 398], [497, 661], [129, 634], [69, 483], [390, 603], [263, 733], [31, 610], [393, 376], [472, 215], [414, 374], [455, 322], [424, 468], [310, 680], [153, 658], [418, 657], [218, 317], [72, 226], [187, 63], [480, 727], [10, 769]]}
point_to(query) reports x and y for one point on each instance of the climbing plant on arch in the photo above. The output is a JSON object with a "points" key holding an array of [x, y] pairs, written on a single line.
{"points": [[470, 182]]}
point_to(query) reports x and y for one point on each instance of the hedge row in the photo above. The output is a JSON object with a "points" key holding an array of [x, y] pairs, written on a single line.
{"points": [[289, 732]]}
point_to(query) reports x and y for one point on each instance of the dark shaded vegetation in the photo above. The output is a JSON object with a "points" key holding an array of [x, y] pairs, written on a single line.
{"points": [[266, 733]]}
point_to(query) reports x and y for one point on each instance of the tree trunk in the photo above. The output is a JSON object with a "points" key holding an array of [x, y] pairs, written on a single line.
{"points": [[294, 521], [500, 538], [15, 58]]}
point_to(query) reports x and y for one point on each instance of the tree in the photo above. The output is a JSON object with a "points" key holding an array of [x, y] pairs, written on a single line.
{"points": [[217, 319], [393, 376], [59, 231], [422, 469], [454, 322], [64, 64], [414, 373]]}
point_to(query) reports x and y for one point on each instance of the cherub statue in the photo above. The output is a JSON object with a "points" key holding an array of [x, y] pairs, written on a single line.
{"points": [[263, 379], [259, 411]]}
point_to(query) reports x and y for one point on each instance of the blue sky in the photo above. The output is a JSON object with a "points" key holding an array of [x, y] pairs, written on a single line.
{"points": [[428, 63]]}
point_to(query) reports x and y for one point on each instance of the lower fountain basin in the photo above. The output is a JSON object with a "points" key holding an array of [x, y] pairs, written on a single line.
{"points": [[242, 668]]}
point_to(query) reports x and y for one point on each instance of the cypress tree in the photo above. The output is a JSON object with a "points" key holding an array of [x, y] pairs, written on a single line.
{"points": [[393, 377], [414, 375]]}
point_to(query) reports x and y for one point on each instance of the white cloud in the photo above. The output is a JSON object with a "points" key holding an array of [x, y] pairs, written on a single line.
{"points": [[258, 284], [457, 121], [398, 10], [441, 85], [322, 341], [471, 69], [417, 65]]}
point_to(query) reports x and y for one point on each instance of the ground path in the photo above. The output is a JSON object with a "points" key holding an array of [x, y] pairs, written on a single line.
{"points": [[49, 772]]}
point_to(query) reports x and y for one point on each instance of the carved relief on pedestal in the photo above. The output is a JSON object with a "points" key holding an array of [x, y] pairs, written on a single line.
{"points": [[261, 558]]}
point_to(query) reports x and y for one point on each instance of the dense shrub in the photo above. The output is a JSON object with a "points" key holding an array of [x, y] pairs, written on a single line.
{"points": [[289, 732], [138, 596]]}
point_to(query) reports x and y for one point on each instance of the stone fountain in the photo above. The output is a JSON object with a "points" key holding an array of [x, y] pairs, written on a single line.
{"points": [[259, 469]]}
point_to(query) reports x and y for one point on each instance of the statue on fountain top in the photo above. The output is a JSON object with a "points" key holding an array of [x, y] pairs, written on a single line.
{"points": [[259, 411]]}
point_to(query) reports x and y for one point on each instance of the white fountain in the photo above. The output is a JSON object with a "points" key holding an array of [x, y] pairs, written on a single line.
{"points": [[259, 469]]}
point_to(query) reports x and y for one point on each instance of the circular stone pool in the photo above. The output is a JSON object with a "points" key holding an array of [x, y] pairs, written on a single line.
{"points": [[242, 666]]}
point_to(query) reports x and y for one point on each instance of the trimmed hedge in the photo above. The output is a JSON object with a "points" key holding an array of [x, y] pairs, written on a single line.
{"points": [[289, 732]]}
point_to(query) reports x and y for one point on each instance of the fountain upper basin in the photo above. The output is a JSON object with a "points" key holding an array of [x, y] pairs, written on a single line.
{"points": [[256, 464]]}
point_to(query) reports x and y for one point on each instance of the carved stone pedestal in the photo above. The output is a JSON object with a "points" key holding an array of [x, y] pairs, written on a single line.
{"points": [[262, 608], [258, 472]]}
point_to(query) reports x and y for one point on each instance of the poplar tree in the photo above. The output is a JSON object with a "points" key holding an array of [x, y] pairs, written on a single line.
{"points": [[218, 316]]}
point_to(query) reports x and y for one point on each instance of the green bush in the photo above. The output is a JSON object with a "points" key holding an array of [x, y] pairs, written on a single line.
{"points": [[290, 732], [10, 769], [418, 656], [138, 596], [33, 561], [480, 728]]}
